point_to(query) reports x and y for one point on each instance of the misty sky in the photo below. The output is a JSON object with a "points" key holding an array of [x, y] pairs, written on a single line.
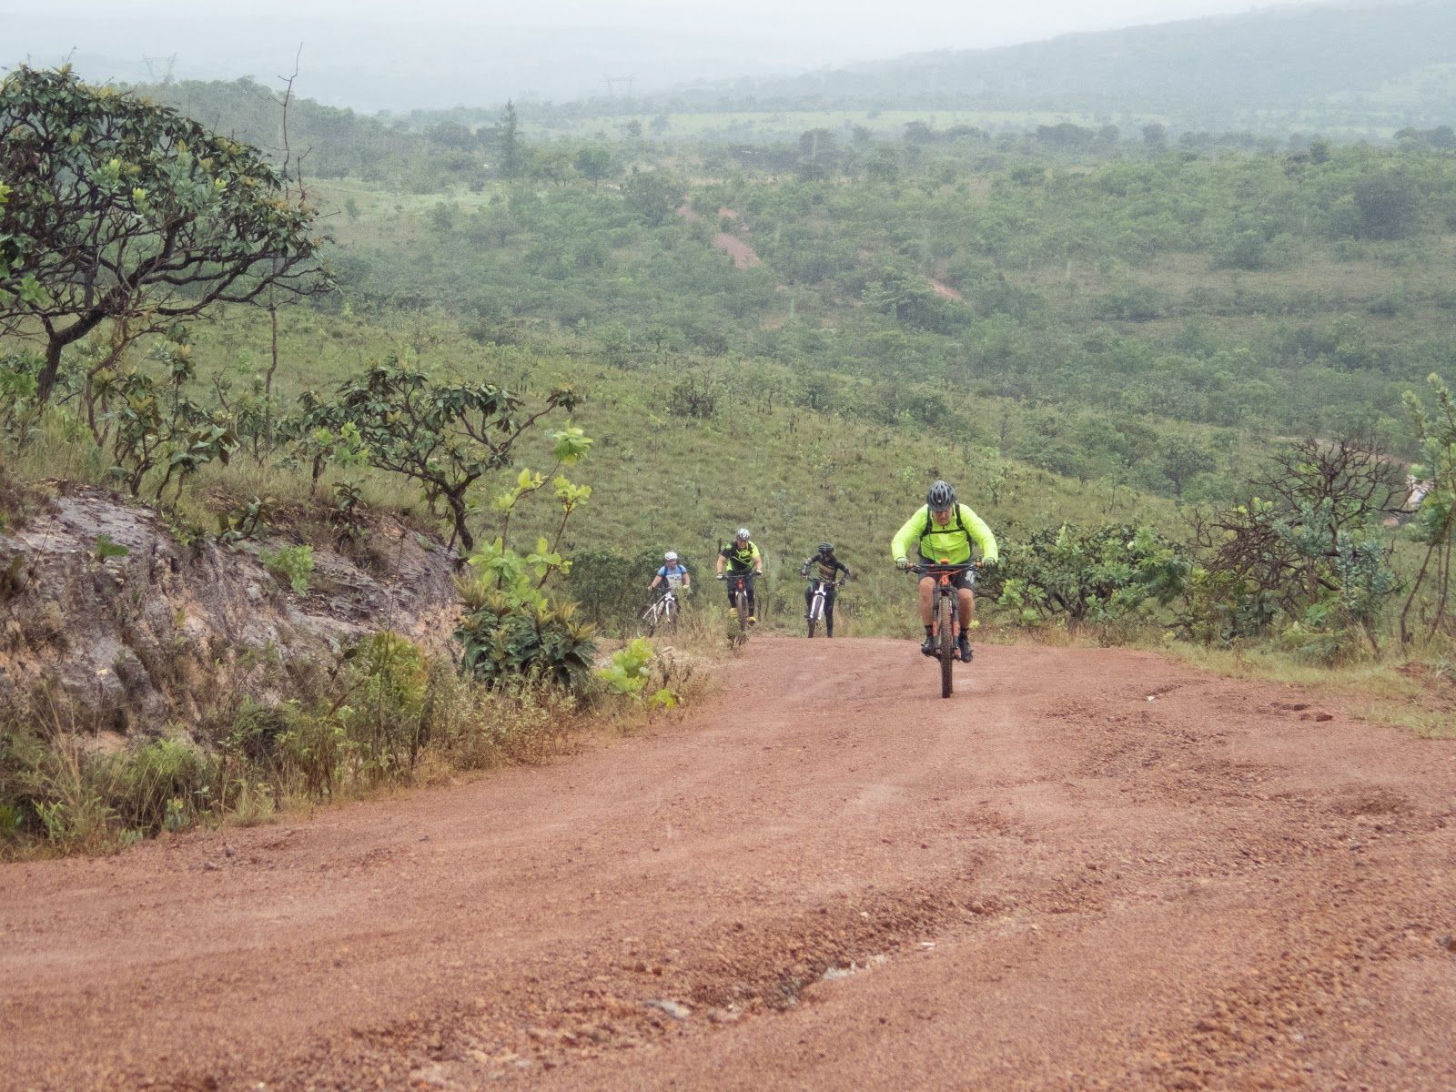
{"points": [[375, 55]]}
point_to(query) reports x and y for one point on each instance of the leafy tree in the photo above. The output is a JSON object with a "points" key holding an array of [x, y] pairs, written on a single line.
{"points": [[157, 427], [595, 163], [511, 625], [1435, 521], [446, 436], [510, 142], [1389, 206], [1305, 544], [1098, 574], [117, 209], [653, 195]]}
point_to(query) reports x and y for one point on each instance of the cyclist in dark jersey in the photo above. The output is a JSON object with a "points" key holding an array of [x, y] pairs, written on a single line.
{"points": [[826, 568]]}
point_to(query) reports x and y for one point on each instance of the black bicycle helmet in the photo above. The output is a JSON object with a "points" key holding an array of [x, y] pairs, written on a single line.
{"points": [[940, 496], [826, 547]]}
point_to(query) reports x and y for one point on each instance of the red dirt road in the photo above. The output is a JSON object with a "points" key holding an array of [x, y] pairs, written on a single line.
{"points": [[1087, 869]]}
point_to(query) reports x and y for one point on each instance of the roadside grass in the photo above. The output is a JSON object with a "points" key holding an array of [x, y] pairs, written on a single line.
{"points": [[1415, 692], [390, 718]]}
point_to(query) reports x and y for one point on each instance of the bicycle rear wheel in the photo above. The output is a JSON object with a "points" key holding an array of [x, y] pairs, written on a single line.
{"points": [[945, 636]]}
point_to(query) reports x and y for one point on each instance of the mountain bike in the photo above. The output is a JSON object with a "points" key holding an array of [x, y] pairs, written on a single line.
{"points": [[738, 588], [817, 600], [661, 614], [945, 610]]}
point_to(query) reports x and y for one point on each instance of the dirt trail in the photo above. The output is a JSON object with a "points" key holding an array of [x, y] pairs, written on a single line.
{"points": [[1087, 869]]}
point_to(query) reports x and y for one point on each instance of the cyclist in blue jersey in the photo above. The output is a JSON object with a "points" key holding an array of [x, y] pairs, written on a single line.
{"points": [[673, 573]]}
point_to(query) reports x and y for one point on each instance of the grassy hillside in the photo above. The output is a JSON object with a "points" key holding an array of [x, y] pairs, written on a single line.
{"points": [[1070, 325]]}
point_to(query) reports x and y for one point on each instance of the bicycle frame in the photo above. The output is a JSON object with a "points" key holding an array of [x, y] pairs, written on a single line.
{"points": [[738, 586], [817, 601], [661, 610]]}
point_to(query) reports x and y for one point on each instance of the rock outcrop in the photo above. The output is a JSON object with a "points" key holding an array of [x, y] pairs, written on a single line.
{"points": [[109, 622]]}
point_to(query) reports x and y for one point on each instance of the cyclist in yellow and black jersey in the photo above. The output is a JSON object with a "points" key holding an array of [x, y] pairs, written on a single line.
{"points": [[741, 557]]}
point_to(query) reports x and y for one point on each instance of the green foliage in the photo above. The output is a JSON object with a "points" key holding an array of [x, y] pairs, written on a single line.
{"points": [[446, 436], [166, 784], [18, 384], [630, 669], [506, 638], [1435, 518], [630, 675], [118, 209], [321, 436], [245, 521], [292, 564], [386, 717], [652, 195], [106, 548], [157, 426], [1310, 552], [68, 793], [1097, 575]]}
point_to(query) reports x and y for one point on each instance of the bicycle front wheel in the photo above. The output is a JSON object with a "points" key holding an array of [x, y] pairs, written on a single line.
{"points": [[945, 627]]}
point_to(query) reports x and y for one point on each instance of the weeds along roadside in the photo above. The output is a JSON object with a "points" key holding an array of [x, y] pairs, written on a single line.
{"points": [[390, 717]]}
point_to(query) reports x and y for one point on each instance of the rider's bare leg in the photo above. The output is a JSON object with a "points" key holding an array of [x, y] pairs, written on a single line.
{"points": [[966, 604], [927, 593]]}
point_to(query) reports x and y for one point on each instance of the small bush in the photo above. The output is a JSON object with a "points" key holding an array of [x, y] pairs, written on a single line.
{"points": [[504, 640], [293, 564]]}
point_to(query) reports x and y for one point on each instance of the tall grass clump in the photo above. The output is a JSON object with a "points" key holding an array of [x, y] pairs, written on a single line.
{"points": [[391, 715]]}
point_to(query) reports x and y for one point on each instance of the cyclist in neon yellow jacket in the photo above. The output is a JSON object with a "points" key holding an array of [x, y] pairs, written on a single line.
{"points": [[943, 530]]}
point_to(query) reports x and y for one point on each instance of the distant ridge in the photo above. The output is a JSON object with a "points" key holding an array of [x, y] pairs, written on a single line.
{"points": [[1387, 65]]}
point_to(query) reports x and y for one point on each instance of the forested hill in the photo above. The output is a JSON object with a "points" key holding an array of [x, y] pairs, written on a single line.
{"points": [[1391, 65]]}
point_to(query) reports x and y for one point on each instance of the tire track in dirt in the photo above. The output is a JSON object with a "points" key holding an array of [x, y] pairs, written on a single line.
{"points": [[1088, 868]]}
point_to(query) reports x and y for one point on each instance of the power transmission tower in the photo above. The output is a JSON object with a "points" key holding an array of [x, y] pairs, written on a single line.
{"points": [[152, 72]]}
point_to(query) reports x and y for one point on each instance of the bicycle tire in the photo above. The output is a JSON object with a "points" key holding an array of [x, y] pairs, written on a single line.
{"points": [[816, 610], [669, 616], [740, 604], [946, 635]]}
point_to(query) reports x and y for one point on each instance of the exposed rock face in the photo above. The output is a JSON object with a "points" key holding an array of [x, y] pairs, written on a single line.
{"points": [[169, 632]]}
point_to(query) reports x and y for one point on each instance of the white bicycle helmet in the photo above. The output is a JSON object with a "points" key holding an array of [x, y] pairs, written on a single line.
{"points": [[743, 534], [671, 555]]}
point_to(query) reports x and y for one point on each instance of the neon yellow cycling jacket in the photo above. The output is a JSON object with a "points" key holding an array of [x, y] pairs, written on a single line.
{"points": [[953, 544]]}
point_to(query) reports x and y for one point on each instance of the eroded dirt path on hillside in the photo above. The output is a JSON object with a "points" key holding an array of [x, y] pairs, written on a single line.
{"points": [[1088, 868]]}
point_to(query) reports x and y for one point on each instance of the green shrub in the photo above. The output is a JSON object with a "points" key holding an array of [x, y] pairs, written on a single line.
{"points": [[167, 784], [293, 564], [505, 639], [1101, 574], [387, 679]]}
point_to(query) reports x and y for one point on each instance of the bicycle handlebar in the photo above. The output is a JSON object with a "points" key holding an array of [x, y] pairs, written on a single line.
{"points": [[925, 568]]}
